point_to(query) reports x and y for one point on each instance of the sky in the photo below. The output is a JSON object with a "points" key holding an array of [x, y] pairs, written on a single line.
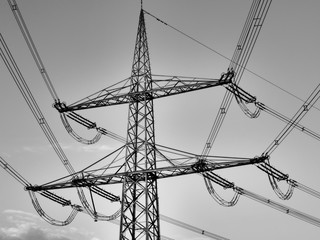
{"points": [[88, 45]]}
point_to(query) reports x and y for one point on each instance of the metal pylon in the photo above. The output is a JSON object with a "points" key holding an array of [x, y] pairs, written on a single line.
{"points": [[139, 173], [140, 206]]}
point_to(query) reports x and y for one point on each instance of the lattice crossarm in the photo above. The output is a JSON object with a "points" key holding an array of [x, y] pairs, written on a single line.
{"points": [[197, 166], [163, 88]]}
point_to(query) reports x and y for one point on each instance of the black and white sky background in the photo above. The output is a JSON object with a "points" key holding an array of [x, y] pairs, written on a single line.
{"points": [[88, 45]]}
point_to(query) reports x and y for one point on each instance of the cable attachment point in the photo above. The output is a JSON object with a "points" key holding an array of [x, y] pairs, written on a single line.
{"points": [[228, 77], [259, 160], [14, 7], [200, 166], [60, 106]]}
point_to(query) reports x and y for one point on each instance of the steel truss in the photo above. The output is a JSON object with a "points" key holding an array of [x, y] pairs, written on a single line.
{"points": [[140, 216], [140, 172]]}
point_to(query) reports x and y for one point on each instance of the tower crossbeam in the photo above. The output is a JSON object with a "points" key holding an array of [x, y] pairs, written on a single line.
{"points": [[88, 179], [172, 85]]}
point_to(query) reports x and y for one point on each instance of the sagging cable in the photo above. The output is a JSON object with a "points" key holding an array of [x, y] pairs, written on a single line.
{"points": [[210, 177], [282, 195], [46, 217], [282, 208], [218, 198], [95, 215], [274, 176], [73, 134], [243, 99], [304, 188]]}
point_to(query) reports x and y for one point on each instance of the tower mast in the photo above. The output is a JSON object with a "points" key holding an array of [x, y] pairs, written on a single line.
{"points": [[140, 206]]}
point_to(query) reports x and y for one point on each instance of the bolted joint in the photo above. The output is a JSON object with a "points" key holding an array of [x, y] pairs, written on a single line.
{"points": [[200, 165], [60, 106], [152, 176], [92, 126], [260, 159], [80, 182], [34, 188], [228, 77]]}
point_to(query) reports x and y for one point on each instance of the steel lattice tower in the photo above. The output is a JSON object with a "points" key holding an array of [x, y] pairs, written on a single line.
{"points": [[138, 175], [139, 217], [140, 207], [145, 161]]}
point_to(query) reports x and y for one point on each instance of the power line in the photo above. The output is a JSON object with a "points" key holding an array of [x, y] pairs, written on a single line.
{"points": [[225, 57], [134, 177], [33, 50]]}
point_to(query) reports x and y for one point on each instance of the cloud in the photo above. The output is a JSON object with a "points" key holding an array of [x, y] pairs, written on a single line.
{"points": [[78, 147], [19, 225], [97, 148], [36, 148]]}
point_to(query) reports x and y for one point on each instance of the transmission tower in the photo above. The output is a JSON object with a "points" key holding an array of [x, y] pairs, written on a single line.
{"points": [[140, 195], [145, 162], [140, 203]]}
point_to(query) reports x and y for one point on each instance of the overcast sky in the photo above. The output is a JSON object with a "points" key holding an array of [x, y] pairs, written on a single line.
{"points": [[88, 45]]}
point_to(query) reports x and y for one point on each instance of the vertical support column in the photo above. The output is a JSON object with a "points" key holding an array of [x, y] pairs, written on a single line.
{"points": [[140, 207]]}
